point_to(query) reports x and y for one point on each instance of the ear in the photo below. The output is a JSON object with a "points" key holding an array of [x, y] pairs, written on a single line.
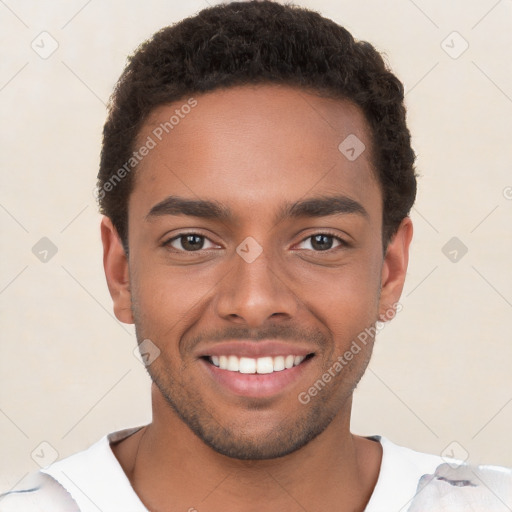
{"points": [[394, 269], [117, 272]]}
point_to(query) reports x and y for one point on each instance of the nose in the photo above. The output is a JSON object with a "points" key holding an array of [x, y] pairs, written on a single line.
{"points": [[254, 292]]}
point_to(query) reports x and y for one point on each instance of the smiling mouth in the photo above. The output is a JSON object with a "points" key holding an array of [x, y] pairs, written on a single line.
{"points": [[259, 365]]}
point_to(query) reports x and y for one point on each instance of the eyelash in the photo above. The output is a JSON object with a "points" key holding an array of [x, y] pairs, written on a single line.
{"points": [[167, 243]]}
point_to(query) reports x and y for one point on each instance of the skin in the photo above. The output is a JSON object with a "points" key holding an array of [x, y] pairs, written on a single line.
{"points": [[253, 149]]}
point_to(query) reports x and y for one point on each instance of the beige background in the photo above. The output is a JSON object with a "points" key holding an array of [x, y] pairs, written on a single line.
{"points": [[441, 370]]}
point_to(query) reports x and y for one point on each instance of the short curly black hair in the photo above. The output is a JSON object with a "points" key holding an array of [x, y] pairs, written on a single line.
{"points": [[257, 42]]}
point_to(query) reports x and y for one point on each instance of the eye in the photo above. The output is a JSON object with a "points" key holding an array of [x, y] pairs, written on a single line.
{"points": [[322, 242], [189, 242]]}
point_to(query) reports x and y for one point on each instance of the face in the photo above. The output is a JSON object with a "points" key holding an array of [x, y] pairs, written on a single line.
{"points": [[255, 261]]}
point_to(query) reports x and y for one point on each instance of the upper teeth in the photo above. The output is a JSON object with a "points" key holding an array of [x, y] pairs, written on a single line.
{"points": [[258, 365]]}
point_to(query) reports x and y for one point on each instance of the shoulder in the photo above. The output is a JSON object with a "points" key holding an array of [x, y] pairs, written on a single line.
{"points": [[60, 486], [37, 492], [405, 464], [463, 487], [421, 482]]}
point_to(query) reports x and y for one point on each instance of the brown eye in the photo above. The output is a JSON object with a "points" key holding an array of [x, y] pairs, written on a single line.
{"points": [[189, 242], [322, 242]]}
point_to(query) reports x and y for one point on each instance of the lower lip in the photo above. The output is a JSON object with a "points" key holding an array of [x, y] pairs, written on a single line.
{"points": [[256, 385]]}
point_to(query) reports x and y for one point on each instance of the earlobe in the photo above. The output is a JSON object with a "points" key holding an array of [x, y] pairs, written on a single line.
{"points": [[117, 273], [394, 270]]}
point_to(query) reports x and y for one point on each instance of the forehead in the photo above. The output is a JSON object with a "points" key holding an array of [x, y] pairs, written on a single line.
{"points": [[251, 146]]}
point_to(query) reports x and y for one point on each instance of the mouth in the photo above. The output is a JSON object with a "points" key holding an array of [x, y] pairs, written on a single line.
{"points": [[260, 365], [257, 377]]}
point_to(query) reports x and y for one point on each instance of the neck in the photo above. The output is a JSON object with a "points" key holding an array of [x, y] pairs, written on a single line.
{"points": [[168, 464]]}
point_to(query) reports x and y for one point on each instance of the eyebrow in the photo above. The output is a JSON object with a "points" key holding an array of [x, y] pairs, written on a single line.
{"points": [[321, 206]]}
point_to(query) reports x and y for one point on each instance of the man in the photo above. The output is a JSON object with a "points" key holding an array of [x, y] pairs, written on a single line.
{"points": [[256, 179]]}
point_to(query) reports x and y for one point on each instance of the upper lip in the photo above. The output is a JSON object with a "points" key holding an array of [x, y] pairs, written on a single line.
{"points": [[254, 349]]}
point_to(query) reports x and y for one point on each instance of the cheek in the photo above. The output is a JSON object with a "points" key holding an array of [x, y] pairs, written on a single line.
{"points": [[345, 298], [167, 299], [348, 308], [354, 307]]}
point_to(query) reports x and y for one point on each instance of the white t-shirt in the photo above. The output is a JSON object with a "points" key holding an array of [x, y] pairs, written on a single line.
{"points": [[93, 480]]}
